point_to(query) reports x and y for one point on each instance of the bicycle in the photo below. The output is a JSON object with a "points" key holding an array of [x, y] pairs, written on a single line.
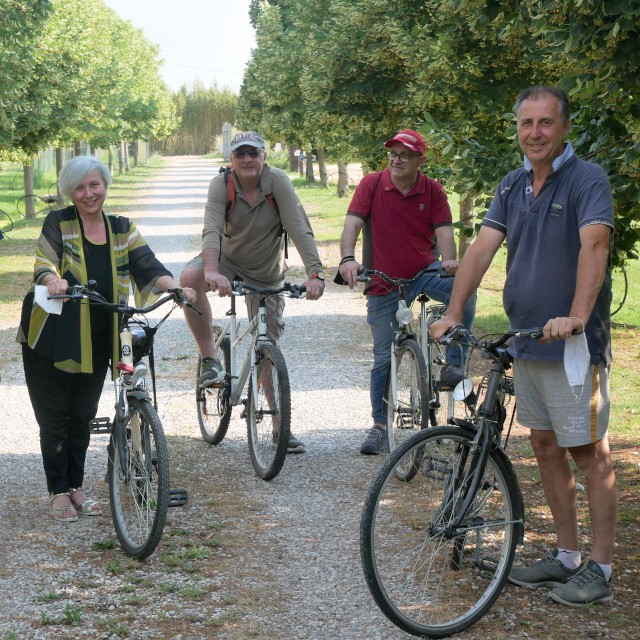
{"points": [[138, 460], [413, 397], [267, 405], [437, 548]]}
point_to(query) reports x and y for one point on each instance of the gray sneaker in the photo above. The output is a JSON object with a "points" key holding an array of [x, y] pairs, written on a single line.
{"points": [[375, 443], [585, 588], [547, 572], [294, 445], [212, 372]]}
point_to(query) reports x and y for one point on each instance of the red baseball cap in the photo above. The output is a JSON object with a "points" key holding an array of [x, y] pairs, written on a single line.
{"points": [[410, 139]]}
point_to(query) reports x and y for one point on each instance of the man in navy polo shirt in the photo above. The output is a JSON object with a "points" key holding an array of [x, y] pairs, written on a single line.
{"points": [[406, 209], [557, 216]]}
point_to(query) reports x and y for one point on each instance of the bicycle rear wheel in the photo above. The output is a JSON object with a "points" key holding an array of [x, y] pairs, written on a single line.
{"points": [[214, 410], [409, 413], [427, 578], [138, 474], [269, 416]]}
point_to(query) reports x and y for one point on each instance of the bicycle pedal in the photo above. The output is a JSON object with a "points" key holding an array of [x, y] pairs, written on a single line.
{"points": [[100, 425], [178, 497]]}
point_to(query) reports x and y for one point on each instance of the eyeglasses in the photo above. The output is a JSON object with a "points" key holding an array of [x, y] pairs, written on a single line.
{"points": [[402, 157], [242, 154]]}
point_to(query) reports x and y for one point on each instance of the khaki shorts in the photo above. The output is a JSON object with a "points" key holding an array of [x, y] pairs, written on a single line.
{"points": [[275, 304], [546, 402]]}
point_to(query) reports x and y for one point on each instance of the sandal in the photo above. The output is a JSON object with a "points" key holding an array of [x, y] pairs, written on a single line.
{"points": [[57, 512], [86, 508]]}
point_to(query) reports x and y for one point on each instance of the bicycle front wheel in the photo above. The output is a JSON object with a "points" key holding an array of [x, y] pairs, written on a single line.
{"points": [[269, 413], [428, 576], [214, 410], [408, 411], [138, 474]]}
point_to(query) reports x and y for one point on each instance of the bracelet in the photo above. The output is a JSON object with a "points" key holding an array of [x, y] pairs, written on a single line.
{"points": [[346, 259]]}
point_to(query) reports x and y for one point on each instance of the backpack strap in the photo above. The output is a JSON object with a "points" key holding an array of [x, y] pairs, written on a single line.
{"points": [[231, 203]]}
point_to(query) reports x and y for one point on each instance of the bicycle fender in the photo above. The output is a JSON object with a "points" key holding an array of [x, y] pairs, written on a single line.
{"points": [[138, 394], [518, 500]]}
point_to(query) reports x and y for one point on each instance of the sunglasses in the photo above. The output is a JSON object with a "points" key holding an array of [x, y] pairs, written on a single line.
{"points": [[242, 154]]}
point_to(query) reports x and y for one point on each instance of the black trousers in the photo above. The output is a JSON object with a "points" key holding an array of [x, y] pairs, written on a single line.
{"points": [[64, 404]]}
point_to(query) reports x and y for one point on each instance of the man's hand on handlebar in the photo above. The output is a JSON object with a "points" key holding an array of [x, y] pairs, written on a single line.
{"points": [[561, 328], [450, 266], [218, 283], [440, 327], [349, 272], [314, 288]]}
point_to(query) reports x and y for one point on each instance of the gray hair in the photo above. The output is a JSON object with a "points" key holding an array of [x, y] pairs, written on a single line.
{"points": [[539, 90], [76, 170]]}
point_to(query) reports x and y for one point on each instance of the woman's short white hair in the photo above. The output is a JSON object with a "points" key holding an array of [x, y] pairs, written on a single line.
{"points": [[77, 169]]}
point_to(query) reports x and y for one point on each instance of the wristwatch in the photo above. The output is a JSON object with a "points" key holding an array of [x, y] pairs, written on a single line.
{"points": [[318, 274]]}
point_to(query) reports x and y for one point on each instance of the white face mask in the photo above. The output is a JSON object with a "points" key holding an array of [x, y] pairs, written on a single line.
{"points": [[576, 359]]}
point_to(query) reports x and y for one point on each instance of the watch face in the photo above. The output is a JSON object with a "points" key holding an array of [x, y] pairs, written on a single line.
{"points": [[319, 275]]}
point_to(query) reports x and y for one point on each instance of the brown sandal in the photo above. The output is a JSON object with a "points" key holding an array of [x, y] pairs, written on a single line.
{"points": [[86, 508], [57, 512]]}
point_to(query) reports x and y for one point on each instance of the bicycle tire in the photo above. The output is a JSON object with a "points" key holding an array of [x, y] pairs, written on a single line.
{"points": [[268, 440], [410, 412], [428, 582], [214, 410], [139, 493]]}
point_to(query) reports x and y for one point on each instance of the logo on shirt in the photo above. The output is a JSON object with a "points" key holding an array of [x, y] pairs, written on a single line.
{"points": [[555, 209], [421, 206]]}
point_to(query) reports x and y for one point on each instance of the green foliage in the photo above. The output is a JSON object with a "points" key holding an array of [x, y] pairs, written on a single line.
{"points": [[201, 113]]}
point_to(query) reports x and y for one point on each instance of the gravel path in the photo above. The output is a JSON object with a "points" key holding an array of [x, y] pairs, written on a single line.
{"points": [[245, 558]]}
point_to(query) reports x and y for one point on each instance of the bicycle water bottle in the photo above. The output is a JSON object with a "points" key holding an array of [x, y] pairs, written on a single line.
{"points": [[126, 346]]}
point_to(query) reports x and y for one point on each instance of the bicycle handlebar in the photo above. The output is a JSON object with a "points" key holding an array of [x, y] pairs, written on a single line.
{"points": [[293, 290], [457, 333], [87, 292], [365, 275]]}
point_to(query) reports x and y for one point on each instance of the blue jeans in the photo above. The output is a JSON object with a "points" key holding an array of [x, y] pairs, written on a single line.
{"points": [[381, 316]]}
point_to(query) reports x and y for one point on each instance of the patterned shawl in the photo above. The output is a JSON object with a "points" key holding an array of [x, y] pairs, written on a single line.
{"points": [[66, 339]]}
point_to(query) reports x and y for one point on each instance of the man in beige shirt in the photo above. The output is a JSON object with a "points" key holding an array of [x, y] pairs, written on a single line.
{"points": [[249, 244]]}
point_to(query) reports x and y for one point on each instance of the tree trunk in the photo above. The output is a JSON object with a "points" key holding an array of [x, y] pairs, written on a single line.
{"points": [[322, 167], [343, 180], [293, 160], [466, 217], [111, 161], [310, 177], [77, 149], [29, 197], [59, 196], [121, 157], [127, 166], [135, 154]]}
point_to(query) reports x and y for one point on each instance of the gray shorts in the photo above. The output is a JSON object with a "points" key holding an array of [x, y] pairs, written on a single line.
{"points": [[545, 401], [275, 304]]}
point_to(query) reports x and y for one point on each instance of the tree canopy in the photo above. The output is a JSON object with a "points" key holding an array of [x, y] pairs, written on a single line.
{"points": [[345, 74]]}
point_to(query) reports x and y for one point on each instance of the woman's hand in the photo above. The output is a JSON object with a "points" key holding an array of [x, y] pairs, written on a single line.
{"points": [[56, 286], [190, 294]]}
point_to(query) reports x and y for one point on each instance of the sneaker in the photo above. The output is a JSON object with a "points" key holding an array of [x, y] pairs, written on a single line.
{"points": [[585, 588], [212, 372], [547, 572], [294, 445], [376, 442], [450, 375]]}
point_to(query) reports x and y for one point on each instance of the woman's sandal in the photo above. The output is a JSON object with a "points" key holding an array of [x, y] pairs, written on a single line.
{"points": [[86, 508], [57, 512]]}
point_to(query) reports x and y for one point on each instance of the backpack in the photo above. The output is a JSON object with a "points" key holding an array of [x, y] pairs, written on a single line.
{"points": [[231, 203]]}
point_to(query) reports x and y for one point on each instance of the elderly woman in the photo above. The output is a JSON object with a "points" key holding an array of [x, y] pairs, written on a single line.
{"points": [[66, 356]]}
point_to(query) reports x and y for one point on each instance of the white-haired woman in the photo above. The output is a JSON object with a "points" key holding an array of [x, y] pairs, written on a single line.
{"points": [[66, 356]]}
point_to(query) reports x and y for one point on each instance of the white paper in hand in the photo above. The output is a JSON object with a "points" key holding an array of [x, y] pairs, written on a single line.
{"points": [[576, 359], [50, 306]]}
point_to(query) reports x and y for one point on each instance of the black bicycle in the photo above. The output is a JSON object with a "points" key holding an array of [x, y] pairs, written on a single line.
{"points": [[437, 544], [138, 460]]}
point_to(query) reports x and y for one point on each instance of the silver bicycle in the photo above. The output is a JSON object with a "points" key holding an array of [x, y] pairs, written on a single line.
{"points": [[267, 404]]}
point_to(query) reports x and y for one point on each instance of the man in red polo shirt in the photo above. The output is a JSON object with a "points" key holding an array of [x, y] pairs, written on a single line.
{"points": [[406, 209]]}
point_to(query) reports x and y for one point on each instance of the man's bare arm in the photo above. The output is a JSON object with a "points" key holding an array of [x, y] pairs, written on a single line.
{"points": [[447, 246], [352, 227]]}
